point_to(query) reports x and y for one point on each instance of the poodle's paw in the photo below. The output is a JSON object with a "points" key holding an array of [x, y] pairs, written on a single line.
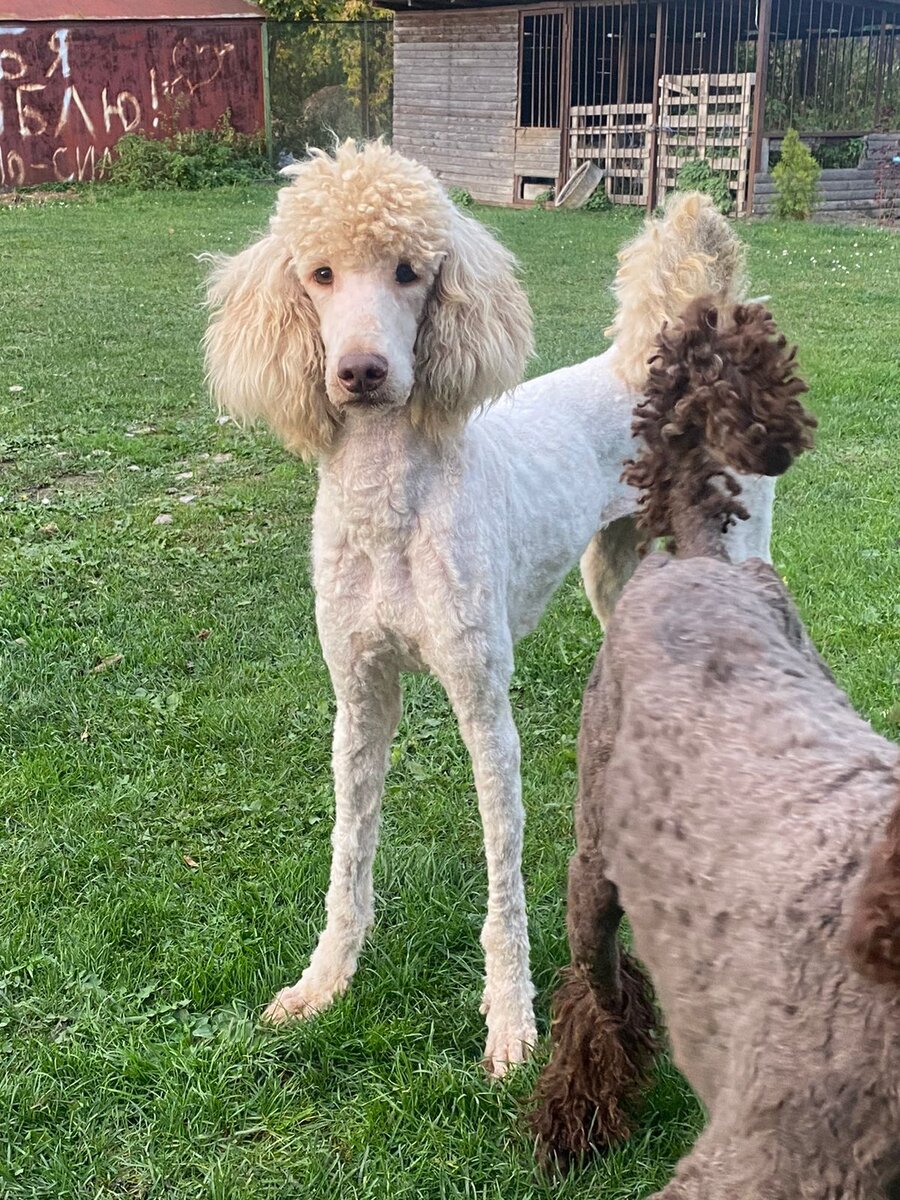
{"points": [[509, 1042], [301, 1001]]}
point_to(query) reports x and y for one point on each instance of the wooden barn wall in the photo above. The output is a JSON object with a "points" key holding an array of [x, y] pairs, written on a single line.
{"points": [[455, 95]]}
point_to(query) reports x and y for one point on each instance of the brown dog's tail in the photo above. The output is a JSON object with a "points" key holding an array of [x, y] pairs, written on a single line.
{"points": [[875, 932], [722, 395]]}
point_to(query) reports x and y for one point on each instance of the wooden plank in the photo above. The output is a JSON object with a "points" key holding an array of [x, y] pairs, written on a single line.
{"points": [[424, 106], [612, 110]]}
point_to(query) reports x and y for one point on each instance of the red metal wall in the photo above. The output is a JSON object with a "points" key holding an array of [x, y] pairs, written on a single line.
{"points": [[68, 91]]}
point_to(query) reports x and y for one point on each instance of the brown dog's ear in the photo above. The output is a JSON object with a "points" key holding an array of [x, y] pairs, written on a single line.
{"points": [[475, 336], [264, 355]]}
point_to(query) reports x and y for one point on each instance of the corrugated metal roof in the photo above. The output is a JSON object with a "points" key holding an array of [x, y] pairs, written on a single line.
{"points": [[126, 10]]}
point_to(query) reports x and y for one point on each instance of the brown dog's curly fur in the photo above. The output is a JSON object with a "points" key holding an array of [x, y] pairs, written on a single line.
{"points": [[602, 1056], [722, 390], [734, 805], [875, 932]]}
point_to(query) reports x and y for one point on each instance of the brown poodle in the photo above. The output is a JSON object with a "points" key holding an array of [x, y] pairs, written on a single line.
{"points": [[734, 805]]}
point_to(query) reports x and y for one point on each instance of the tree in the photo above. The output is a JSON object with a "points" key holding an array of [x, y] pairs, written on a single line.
{"points": [[330, 71], [796, 176]]}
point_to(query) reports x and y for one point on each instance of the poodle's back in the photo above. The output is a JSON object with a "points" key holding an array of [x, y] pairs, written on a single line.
{"points": [[740, 806]]}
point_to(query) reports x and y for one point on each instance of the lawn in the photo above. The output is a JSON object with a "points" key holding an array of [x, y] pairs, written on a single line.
{"points": [[164, 787]]}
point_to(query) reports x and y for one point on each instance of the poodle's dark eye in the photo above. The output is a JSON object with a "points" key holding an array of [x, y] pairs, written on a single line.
{"points": [[405, 274], [324, 275]]}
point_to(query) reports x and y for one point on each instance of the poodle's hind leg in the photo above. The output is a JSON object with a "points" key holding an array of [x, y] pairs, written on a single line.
{"points": [[608, 563], [603, 1020], [602, 1034], [368, 712]]}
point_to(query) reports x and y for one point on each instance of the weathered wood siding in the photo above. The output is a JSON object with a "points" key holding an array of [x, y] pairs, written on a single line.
{"points": [[870, 190], [455, 96], [538, 152]]}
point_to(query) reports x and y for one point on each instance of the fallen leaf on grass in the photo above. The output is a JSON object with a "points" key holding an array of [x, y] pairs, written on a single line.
{"points": [[163, 519], [85, 734], [190, 862], [188, 499], [203, 634], [49, 529], [111, 660]]}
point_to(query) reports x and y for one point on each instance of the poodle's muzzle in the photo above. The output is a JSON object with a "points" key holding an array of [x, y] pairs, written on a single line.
{"points": [[362, 375]]}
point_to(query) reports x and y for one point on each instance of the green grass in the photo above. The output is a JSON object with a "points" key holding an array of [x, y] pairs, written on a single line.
{"points": [[166, 814]]}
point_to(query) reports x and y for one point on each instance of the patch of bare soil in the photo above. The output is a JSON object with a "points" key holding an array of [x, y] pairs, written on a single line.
{"points": [[14, 198]]}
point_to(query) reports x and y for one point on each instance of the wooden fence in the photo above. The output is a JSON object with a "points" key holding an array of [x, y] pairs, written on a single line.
{"points": [[708, 117], [699, 116], [617, 138], [871, 189]]}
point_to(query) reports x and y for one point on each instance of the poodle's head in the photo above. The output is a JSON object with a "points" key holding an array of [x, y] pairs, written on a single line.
{"points": [[370, 291]]}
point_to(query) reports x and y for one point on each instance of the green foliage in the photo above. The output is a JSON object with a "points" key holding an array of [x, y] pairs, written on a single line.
{"points": [[329, 80], [189, 159], [796, 178], [829, 153], [598, 201], [323, 10], [460, 197], [698, 176], [842, 152], [544, 197]]}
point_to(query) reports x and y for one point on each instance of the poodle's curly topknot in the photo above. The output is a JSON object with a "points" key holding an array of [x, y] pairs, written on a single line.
{"points": [[722, 393], [361, 204]]}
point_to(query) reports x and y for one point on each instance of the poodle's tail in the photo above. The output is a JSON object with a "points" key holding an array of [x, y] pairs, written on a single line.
{"points": [[875, 932], [722, 397], [691, 251], [603, 1051]]}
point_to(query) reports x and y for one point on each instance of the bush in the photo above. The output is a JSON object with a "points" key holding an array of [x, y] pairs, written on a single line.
{"points": [[796, 179], [460, 197], [190, 159], [598, 201], [698, 176], [845, 152]]}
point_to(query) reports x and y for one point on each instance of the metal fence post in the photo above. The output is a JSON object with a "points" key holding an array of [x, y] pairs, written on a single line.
{"points": [[267, 100]]}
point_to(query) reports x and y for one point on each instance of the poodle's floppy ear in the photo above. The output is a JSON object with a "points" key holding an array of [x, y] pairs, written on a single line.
{"points": [[264, 356], [475, 336]]}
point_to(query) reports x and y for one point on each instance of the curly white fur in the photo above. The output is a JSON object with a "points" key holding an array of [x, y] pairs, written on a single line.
{"points": [[437, 540]]}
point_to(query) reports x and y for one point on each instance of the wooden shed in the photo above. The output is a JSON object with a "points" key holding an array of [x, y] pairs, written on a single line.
{"points": [[508, 99], [75, 77]]}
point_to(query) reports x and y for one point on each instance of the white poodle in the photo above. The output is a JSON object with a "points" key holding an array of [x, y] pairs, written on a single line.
{"points": [[366, 328]]}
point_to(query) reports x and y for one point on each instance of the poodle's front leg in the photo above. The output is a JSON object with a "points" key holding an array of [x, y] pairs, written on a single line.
{"points": [[368, 711], [486, 722]]}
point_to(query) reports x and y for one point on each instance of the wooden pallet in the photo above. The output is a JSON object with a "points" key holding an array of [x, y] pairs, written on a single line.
{"points": [[708, 117], [617, 138]]}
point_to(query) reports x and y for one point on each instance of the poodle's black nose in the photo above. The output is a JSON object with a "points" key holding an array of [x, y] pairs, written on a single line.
{"points": [[361, 373]]}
